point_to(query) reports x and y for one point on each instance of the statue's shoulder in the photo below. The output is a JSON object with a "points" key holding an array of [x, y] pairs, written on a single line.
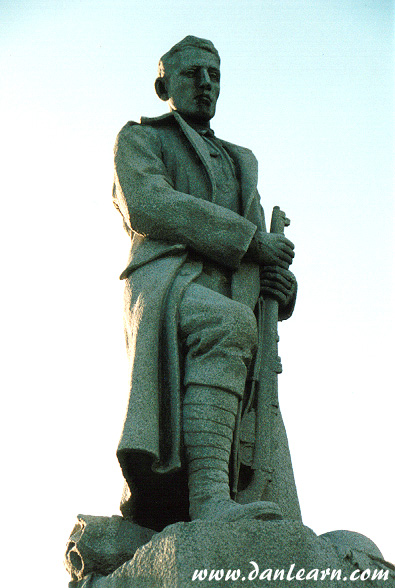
{"points": [[146, 132], [148, 127], [164, 120], [151, 121], [234, 147], [238, 151]]}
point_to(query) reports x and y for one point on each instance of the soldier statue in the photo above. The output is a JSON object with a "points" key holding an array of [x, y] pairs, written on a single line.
{"points": [[200, 257]]}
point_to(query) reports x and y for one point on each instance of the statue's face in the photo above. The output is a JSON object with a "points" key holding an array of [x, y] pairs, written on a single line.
{"points": [[193, 84]]}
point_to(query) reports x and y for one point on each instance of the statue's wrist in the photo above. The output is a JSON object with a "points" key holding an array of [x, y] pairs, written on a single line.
{"points": [[253, 250]]}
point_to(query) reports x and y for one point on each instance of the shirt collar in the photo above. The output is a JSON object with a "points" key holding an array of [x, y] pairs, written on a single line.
{"points": [[209, 133]]}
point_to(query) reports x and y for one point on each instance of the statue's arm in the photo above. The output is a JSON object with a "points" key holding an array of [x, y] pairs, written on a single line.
{"points": [[150, 206]]}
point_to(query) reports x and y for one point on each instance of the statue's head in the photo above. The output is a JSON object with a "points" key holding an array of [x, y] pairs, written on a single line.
{"points": [[189, 79]]}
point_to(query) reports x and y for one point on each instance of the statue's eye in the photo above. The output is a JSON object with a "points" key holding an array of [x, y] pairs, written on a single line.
{"points": [[190, 73]]}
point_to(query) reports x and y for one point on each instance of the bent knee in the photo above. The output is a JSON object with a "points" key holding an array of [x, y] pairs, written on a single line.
{"points": [[211, 317], [242, 324]]}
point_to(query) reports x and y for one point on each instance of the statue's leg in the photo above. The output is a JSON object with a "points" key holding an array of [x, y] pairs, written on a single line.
{"points": [[209, 419], [219, 337]]}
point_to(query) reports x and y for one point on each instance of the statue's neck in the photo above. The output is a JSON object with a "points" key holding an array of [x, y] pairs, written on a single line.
{"points": [[197, 125]]}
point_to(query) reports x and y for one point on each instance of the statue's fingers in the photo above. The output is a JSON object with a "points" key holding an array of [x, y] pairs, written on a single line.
{"points": [[287, 258], [286, 274], [289, 252], [278, 273], [276, 281], [282, 263], [275, 294], [289, 243], [284, 248], [275, 286]]}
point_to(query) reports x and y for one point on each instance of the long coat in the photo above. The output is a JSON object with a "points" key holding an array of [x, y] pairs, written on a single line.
{"points": [[165, 190]]}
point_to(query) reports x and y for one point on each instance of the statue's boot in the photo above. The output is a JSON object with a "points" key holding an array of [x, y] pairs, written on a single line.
{"points": [[209, 416]]}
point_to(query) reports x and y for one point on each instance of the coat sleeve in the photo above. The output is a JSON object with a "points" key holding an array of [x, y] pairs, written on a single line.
{"points": [[152, 207]]}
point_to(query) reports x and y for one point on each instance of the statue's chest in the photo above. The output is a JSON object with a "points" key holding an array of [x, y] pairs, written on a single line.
{"points": [[184, 167]]}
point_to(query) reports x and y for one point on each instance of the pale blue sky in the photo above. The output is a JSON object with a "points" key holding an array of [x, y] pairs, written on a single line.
{"points": [[308, 86]]}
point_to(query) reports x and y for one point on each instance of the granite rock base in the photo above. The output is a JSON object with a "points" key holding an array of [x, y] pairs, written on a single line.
{"points": [[248, 553]]}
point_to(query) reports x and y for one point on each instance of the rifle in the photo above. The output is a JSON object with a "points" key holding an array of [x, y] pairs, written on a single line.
{"points": [[266, 370]]}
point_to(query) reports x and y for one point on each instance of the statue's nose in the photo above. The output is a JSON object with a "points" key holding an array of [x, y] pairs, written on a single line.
{"points": [[204, 79]]}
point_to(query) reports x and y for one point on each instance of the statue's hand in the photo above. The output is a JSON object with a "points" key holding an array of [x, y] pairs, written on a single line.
{"points": [[271, 249], [278, 283]]}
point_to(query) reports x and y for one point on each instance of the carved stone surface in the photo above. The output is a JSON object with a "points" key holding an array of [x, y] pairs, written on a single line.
{"points": [[172, 557], [102, 544]]}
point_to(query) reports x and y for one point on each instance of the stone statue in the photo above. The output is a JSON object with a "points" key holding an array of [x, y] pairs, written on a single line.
{"points": [[200, 255], [203, 445]]}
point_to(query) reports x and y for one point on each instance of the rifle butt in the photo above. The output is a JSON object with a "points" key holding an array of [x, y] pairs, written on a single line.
{"points": [[256, 488]]}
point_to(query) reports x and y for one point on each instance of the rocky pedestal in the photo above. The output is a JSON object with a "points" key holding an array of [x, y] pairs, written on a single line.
{"points": [[250, 553]]}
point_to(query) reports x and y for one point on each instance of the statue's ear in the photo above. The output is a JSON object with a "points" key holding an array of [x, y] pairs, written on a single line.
{"points": [[161, 90]]}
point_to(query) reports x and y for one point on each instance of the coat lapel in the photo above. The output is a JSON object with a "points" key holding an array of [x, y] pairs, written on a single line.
{"points": [[198, 144], [248, 168]]}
